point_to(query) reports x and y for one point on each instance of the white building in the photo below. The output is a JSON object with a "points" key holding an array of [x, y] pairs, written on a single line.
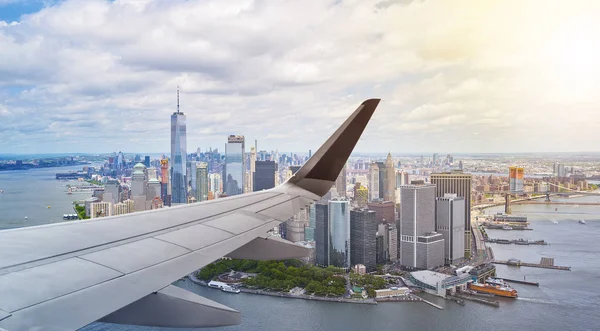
{"points": [[100, 209]]}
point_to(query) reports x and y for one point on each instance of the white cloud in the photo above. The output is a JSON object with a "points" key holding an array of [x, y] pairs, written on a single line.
{"points": [[77, 73]]}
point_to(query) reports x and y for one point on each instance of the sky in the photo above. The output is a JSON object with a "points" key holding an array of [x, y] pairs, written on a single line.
{"points": [[457, 76]]}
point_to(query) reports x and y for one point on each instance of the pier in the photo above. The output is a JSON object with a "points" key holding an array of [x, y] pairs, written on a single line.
{"points": [[516, 241], [520, 282], [485, 301], [546, 263]]}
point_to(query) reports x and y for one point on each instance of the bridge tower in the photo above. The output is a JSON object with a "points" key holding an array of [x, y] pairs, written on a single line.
{"points": [[507, 206]]}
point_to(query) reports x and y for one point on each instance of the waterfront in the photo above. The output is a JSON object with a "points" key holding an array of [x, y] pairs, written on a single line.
{"points": [[564, 301]]}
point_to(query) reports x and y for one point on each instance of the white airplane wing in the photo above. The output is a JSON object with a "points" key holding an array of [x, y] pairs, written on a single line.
{"points": [[119, 269]]}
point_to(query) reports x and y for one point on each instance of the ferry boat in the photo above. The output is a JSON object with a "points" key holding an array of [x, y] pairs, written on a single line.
{"points": [[503, 291], [496, 281], [230, 289], [506, 227]]}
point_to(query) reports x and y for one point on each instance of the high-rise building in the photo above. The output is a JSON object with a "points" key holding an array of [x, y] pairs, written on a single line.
{"points": [[460, 184], [383, 231], [234, 169], [264, 176], [515, 179], [215, 183], [309, 230], [393, 243], [363, 235], [420, 246], [339, 233], [295, 226], [165, 195], [138, 187], [450, 222], [112, 191], [340, 183], [124, 207], [389, 185], [252, 166], [178, 156], [384, 211], [201, 181], [361, 195], [322, 233], [147, 161], [373, 182]]}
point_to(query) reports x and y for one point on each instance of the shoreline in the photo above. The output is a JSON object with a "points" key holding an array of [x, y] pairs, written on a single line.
{"points": [[371, 301]]}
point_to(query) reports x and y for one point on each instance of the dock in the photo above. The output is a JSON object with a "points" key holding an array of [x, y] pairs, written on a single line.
{"points": [[485, 301], [521, 282], [516, 241], [432, 304], [546, 263]]}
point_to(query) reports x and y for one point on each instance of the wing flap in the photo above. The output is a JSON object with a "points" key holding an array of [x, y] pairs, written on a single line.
{"points": [[270, 248], [174, 307]]}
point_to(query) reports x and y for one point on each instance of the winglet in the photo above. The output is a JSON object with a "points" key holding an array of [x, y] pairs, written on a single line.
{"points": [[319, 173]]}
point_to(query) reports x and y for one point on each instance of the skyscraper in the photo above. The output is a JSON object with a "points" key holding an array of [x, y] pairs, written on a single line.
{"points": [[164, 182], [147, 161], [322, 233], [216, 183], [339, 253], [363, 235], [138, 187], [450, 222], [178, 156], [460, 184], [201, 181], [389, 185], [340, 183], [234, 169], [420, 246], [515, 179], [361, 195], [191, 177], [373, 182], [309, 231], [252, 165], [264, 175]]}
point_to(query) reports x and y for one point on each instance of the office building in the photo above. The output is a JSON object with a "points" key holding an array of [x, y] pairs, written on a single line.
{"points": [[252, 166], [420, 246], [339, 254], [124, 207], [147, 161], [361, 195], [264, 175], [234, 169], [340, 183], [164, 182], [383, 231], [389, 179], [295, 226], [385, 211], [322, 233], [138, 187], [393, 243], [201, 181], [515, 179], [191, 178], [373, 182], [450, 223], [460, 184], [215, 183], [178, 156], [363, 235], [380, 257], [153, 200], [112, 191], [309, 230]]}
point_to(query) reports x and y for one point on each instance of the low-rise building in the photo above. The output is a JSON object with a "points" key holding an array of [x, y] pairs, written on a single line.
{"points": [[439, 284], [392, 292]]}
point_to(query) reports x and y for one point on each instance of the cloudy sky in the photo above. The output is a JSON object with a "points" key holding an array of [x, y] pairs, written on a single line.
{"points": [[453, 75]]}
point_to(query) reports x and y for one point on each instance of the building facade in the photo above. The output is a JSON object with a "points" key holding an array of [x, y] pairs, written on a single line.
{"points": [[340, 183], [363, 235], [460, 184], [339, 253], [234, 169], [373, 182], [450, 222], [178, 156], [322, 234], [264, 175], [385, 211], [201, 181]]}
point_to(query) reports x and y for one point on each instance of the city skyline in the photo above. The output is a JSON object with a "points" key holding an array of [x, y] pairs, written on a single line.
{"points": [[276, 82]]}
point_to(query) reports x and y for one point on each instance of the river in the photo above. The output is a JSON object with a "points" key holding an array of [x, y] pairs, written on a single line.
{"points": [[565, 300]]}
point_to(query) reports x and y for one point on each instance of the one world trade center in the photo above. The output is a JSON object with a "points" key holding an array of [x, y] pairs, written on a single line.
{"points": [[178, 156]]}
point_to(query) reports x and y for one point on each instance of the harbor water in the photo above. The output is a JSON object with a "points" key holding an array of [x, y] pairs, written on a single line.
{"points": [[565, 300]]}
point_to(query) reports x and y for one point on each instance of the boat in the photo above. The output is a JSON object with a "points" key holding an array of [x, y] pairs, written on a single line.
{"points": [[2, 191], [496, 281], [581, 222], [48, 207], [230, 289], [506, 227], [555, 221], [499, 290], [25, 217]]}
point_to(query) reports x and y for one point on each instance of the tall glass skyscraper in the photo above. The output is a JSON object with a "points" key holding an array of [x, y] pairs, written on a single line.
{"points": [[178, 156], [201, 181], [339, 233], [234, 170]]}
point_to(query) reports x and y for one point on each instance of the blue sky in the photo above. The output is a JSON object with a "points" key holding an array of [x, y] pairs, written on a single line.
{"points": [[100, 76]]}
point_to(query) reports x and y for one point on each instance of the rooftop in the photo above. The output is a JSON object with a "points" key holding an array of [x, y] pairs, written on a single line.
{"points": [[429, 277]]}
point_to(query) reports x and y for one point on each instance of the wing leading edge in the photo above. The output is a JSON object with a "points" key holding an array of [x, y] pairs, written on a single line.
{"points": [[65, 276]]}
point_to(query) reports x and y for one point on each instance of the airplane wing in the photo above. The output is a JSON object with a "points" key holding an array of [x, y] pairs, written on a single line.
{"points": [[119, 269]]}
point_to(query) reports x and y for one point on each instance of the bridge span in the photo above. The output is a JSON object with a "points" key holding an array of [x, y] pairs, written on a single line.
{"points": [[531, 202]]}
